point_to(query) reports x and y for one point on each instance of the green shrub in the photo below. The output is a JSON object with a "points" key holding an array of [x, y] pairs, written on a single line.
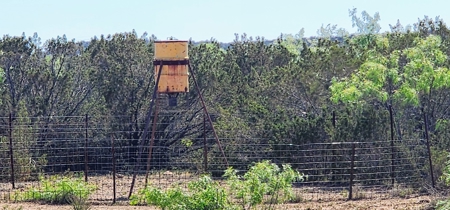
{"points": [[445, 178], [442, 205], [264, 182], [201, 194], [207, 194], [27, 162], [446, 173], [172, 198], [57, 190], [79, 203]]}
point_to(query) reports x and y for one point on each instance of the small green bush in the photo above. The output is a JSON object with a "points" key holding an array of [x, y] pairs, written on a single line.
{"points": [[57, 190], [172, 198], [78, 203], [201, 194], [442, 205], [207, 194], [445, 178], [265, 182], [446, 173]]}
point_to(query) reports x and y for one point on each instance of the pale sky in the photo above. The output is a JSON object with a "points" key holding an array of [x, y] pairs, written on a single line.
{"points": [[201, 19]]}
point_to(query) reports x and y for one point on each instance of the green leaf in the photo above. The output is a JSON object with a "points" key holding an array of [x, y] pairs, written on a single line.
{"points": [[407, 95]]}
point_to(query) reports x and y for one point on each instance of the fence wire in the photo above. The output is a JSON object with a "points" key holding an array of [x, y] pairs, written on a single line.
{"points": [[106, 155]]}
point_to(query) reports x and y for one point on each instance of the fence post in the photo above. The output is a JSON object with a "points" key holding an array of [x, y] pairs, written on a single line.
{"points": [[205, 149], [428, 147], [85, 148], [113, 168], [391, 117], [11, 153], [352, 166]]}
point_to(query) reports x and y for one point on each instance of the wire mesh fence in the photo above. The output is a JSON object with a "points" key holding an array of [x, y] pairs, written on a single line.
{"points": [[106, 154]]}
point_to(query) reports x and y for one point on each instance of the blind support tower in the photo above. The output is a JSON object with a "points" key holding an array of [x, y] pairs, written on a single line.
{"points": [[172, 71]]}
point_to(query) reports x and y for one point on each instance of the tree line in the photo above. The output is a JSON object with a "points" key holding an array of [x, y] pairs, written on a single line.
{"points": [[289, 91]]}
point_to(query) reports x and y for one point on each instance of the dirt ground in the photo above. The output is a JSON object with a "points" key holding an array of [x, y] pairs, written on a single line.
{"points": [[421, 202], [311, 198]]}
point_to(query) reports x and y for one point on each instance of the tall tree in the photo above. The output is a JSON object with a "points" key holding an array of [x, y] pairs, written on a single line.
{"points": [[61, 84], [122, 74], [16, 53], [2, 73], [365, 24], [331, 31], [381, 79]]}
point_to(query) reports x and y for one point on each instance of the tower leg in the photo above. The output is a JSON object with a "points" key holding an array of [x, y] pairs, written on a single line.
{"points": [[144, 135], [152, 140], [207, 114]]}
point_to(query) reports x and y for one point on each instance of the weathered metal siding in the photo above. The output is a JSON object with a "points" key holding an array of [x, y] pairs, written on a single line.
{"points": [[173, 55], [174, 79], [171, 50]]}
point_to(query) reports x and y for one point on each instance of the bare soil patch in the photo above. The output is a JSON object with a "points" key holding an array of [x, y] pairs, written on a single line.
{"points": [[421, 202]]}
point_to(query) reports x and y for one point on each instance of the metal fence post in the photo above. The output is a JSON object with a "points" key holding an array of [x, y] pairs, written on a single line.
{"points": [[11, 151], [428, 148], [85, 148], [205, 149], [113, 168], [391, 118], [352, 166]]}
